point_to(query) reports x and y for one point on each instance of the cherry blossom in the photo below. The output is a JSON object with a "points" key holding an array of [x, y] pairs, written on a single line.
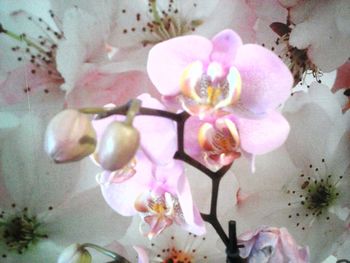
{"points": [[306, 189], [174, 244], [41, 211], [28, 51]]}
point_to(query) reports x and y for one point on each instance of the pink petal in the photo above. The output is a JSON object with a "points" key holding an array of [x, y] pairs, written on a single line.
{"points": [[259, 136], [21, 83], [169, 183], [192, 126], [167, 61], [158, 135], [343, 77], [266, 81], [142, 254], [225, 46], [121, 197], [98, 89], [156, 225], [194, 221]]}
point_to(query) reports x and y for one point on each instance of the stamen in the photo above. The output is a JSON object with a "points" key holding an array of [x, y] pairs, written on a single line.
{"points": [[20, 231], [315, 195]]}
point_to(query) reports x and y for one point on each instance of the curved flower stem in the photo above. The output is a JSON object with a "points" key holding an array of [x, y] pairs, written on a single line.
{"points": [[230, 240], [116, 258]]}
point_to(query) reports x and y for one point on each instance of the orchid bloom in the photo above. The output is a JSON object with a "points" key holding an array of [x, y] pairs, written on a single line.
{"points": [[271, 244], [41, 208], [232, 90], [157, 189], [305, 189]]}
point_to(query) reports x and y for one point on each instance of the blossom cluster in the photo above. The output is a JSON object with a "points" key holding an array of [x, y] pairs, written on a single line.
{"points": [[120, 118]]}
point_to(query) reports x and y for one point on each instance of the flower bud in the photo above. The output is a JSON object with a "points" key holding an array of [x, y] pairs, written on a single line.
{"points": [[118, 146], [75, 254], [70, 136]]}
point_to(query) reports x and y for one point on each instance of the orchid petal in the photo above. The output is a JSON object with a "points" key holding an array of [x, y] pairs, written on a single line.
{"points": [[225, 47], [168, 60], [121, 197], [266, 81], [194, 222], [158, 134], [259, 136]]}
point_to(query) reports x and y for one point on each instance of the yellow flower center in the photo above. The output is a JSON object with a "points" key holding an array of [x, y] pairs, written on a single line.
{"points": [[205, 90]]}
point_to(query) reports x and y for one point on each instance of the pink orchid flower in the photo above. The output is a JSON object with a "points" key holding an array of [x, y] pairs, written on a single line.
{"points": [[271, 244], [232, 90], [153, 185]]}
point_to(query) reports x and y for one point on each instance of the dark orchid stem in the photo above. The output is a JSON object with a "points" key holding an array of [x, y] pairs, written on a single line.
{"points": [[230, 241]]}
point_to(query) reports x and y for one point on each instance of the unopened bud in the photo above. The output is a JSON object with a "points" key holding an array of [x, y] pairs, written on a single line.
{"points": [[75, 253], [70, 136], [118, 146]]}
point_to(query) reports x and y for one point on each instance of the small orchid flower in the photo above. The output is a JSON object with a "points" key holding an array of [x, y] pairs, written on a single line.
{"points": [[219, 141], [157, 189], [271, 244], [159, 211]]}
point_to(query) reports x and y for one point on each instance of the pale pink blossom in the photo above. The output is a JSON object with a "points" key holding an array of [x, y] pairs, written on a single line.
{"points": [[302, 186]]}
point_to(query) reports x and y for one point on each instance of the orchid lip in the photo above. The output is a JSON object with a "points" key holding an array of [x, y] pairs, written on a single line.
{"points": [[158, 212], [208, 89], [220, 142]]}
